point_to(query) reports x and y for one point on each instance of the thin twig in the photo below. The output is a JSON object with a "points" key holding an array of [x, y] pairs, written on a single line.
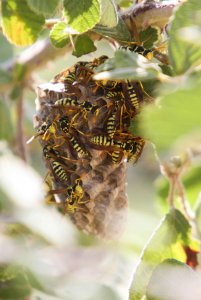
{"points": [[171, 194], [20, 138], [181, 192]]}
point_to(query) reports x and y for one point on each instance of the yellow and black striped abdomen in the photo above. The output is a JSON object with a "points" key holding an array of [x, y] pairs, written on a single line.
{"points": [[111, 124], [133, 97], [102, 140], [136, 149], [80, 149], [59, 171], [116, 156], [69, 101]]}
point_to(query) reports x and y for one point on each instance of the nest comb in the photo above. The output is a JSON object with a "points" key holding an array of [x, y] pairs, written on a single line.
{"points": [[101, 209]]}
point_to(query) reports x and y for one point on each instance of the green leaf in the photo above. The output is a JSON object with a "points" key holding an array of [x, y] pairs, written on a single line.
{"points": [[6, 131], [83, 45], [182, 54], [14, 283], [174, 280], [149, 36], [59, 35], [109, 15], [177, 115], [166, 242], [191, 181], [20, 25], [44, 7], [119, 32], [82, 15], [127, 65]]}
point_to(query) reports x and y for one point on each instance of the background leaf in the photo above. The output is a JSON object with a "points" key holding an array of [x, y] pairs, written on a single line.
{"points": [[109, 15], [149, 36], [182, 54], [20, 25], [174, 280], [119, 32], [177, 115], [14, 283], [82, 15], [59, 35], [83, 45], [44, 7], [166, 242]]}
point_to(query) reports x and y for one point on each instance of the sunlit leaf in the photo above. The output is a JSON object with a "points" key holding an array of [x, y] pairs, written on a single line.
{"points": [[174, 280], [166, 242], [109, 15], [83, 45], [82, 15], [44, 7], [119, 32], [59, 35], [20, 25], [177, 115], [182, 54]]}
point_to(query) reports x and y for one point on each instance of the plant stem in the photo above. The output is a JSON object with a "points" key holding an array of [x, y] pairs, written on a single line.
{"points": [[181, 192], [20, 139]]}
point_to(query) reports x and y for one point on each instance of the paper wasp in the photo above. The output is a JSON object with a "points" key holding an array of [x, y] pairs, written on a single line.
{"points": [[57, 164], [148, 53], [131, 147], [41, 131], [111, 123], [72, 135], [133, 92], [73, 194], [136, 149]]}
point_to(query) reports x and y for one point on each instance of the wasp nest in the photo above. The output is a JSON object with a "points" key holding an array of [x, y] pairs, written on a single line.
{"points": [[83, 129]]}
